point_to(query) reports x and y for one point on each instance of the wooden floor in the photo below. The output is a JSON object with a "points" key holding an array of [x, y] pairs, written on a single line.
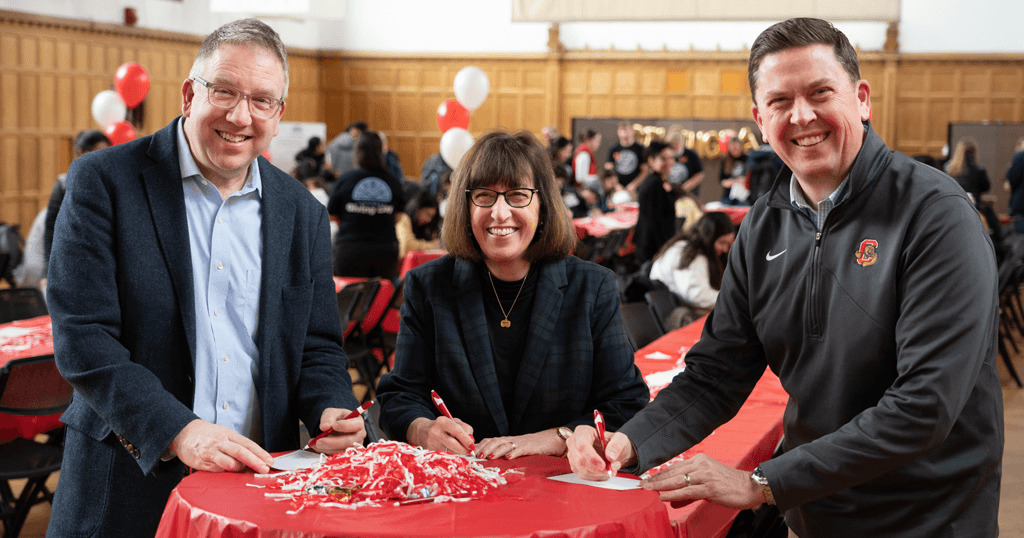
{"points": [[1011, 506]]}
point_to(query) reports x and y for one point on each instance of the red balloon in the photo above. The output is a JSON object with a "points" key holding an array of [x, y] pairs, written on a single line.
{"points": [[120, 131], [132, 83], [266, 155], [450, 114]]}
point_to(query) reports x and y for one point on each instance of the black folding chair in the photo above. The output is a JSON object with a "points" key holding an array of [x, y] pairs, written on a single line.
{"points": [[30, 387], [662, 303], [641, 326], [21, 303]]}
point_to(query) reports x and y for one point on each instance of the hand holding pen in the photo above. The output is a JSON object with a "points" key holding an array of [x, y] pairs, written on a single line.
{"points": [[439, 403], [355, 413]]}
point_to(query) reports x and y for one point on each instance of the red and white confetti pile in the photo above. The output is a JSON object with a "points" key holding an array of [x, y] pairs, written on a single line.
{"points": [[384, 473]]}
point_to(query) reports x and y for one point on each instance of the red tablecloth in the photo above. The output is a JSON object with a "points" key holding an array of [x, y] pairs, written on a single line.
{"points": [[416, 258], [218, 505], [603, 224], [221, 506], [736, 213], [743, 442], [18, 340]]}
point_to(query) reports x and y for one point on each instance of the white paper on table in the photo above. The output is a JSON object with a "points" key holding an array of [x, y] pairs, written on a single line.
{"points": [[619, 483], [658, 356], [663, 378], [293, 461]]}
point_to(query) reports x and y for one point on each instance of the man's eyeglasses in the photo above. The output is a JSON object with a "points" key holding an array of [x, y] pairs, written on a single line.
{"points": [[223, 96], [515, 198]]}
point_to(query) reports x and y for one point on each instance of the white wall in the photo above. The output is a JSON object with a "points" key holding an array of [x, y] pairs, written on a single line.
{"points": [[943, 26]]}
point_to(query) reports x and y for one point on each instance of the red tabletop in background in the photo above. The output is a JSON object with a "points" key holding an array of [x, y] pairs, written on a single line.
{"points": [[18, 340], [736, 213], [743, 442], [416, 258], [603, 224], [220, 505]]}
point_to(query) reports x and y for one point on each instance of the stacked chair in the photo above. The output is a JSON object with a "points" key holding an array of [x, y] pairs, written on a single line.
{"points": [[30, 386]]}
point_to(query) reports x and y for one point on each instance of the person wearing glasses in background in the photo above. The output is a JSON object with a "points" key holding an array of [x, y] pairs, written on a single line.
{"points": [[192, 300], [522, 340]]}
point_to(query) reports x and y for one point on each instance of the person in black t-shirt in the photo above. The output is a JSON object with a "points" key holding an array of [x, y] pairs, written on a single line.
{"points": [[366, 202], [657, 219], [522, 340], [626, 158]]}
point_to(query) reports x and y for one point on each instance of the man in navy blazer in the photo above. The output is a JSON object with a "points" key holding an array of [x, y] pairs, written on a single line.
{"points": [[192, 300]]}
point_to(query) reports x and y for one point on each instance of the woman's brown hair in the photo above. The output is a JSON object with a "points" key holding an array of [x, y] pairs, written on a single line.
{"points": [[509, 160]]}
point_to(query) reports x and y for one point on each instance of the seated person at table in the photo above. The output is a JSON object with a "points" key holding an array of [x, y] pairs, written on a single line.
{"points": [[691, 264], [366, 202], [518, 337], [733, 175], [419, 226], [614, 193]]}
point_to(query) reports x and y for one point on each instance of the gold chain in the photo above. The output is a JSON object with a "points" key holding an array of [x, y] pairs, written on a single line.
{"points": [[505, 323]]}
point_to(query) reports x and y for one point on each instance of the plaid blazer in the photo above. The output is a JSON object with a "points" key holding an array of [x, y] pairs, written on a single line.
{"points": [[578, 357]]}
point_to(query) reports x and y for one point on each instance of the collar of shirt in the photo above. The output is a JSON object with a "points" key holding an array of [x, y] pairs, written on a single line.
{"points": [[817, 216], [189, 168]]}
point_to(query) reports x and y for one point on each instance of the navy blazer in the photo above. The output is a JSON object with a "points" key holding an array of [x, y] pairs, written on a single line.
{"points": [[121, 297], [577, 357]]}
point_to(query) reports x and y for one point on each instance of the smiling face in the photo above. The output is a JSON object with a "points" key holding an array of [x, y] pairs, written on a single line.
{"points": [[810, 112], [504, 232], [224, 142], [662, 162]]}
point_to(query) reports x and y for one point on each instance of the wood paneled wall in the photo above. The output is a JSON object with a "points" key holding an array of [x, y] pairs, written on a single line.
{"points": [[50, 69]]}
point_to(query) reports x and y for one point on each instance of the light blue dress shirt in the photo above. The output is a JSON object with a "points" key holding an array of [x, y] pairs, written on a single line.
{"points": [[817, 216], [224, 236]]}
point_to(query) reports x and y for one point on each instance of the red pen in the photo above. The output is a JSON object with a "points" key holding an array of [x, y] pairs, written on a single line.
{"points": [[599, 424], [439, 403], [357, 412]]}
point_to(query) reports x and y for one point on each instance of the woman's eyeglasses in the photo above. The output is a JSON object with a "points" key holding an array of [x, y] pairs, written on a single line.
{"points": [[482, 197]]}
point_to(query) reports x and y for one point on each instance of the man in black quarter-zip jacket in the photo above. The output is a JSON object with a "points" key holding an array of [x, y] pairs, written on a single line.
{"points": [[867, 283]]}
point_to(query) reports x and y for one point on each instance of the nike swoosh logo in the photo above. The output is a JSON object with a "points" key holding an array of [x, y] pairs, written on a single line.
{"points": [[771, 256]]}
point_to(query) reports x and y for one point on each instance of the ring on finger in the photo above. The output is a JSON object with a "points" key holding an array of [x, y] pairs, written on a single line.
{"points": [[687, 477], [513, 445]]}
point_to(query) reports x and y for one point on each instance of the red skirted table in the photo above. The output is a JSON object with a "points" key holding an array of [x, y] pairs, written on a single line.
{"points": [[602, 225], [19, 340], [416, 258], [222, 506], [736, 213], [743, 442]]}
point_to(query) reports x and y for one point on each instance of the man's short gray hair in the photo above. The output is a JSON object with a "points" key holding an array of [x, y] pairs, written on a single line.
{"points": [[242, 32]]}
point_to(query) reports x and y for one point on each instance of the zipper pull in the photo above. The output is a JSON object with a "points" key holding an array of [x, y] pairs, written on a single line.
{"points": [[817, 237]]}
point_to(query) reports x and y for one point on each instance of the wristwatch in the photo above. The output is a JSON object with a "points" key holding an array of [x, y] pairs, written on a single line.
{"points": [[761, 480]]}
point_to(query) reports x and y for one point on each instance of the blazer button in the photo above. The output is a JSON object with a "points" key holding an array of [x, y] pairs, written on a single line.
{"points": [[136, 453]]}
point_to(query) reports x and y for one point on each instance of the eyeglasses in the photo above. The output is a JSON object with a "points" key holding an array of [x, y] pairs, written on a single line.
{"points": [[222, 96], [487, 197]]}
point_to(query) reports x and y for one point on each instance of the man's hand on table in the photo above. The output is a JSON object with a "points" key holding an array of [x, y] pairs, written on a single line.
{"points": [[347, 433], [587, 460], [708, 479], [442, 434], [209, 447]]}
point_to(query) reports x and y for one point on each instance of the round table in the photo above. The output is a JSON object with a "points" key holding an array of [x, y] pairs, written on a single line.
{"points": [[220, 505]]}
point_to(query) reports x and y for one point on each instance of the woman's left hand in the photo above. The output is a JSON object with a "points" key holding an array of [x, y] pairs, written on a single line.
{"points": [[545, 443]]}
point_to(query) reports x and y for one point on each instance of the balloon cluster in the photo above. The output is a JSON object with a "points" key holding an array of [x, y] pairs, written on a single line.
{"points": [[471, 89], [110, 107]]}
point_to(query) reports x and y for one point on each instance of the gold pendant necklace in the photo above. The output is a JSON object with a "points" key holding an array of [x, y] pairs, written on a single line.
{"points": [[505, 323]]}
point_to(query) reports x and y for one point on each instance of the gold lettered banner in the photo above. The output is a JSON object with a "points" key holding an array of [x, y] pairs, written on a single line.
{"points": [[707, 144]]}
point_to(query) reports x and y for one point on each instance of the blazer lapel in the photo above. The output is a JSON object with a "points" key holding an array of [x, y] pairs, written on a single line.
{"points": [[478, 342], [547, 305], [278, 223], [166, 197]]}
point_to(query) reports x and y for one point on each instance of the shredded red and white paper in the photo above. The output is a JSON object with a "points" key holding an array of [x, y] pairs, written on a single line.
{"points": [[384, 473]]}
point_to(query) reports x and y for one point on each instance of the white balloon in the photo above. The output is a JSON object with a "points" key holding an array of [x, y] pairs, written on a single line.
{"points": [[108, 107], [471, 87], [455, 142]]}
